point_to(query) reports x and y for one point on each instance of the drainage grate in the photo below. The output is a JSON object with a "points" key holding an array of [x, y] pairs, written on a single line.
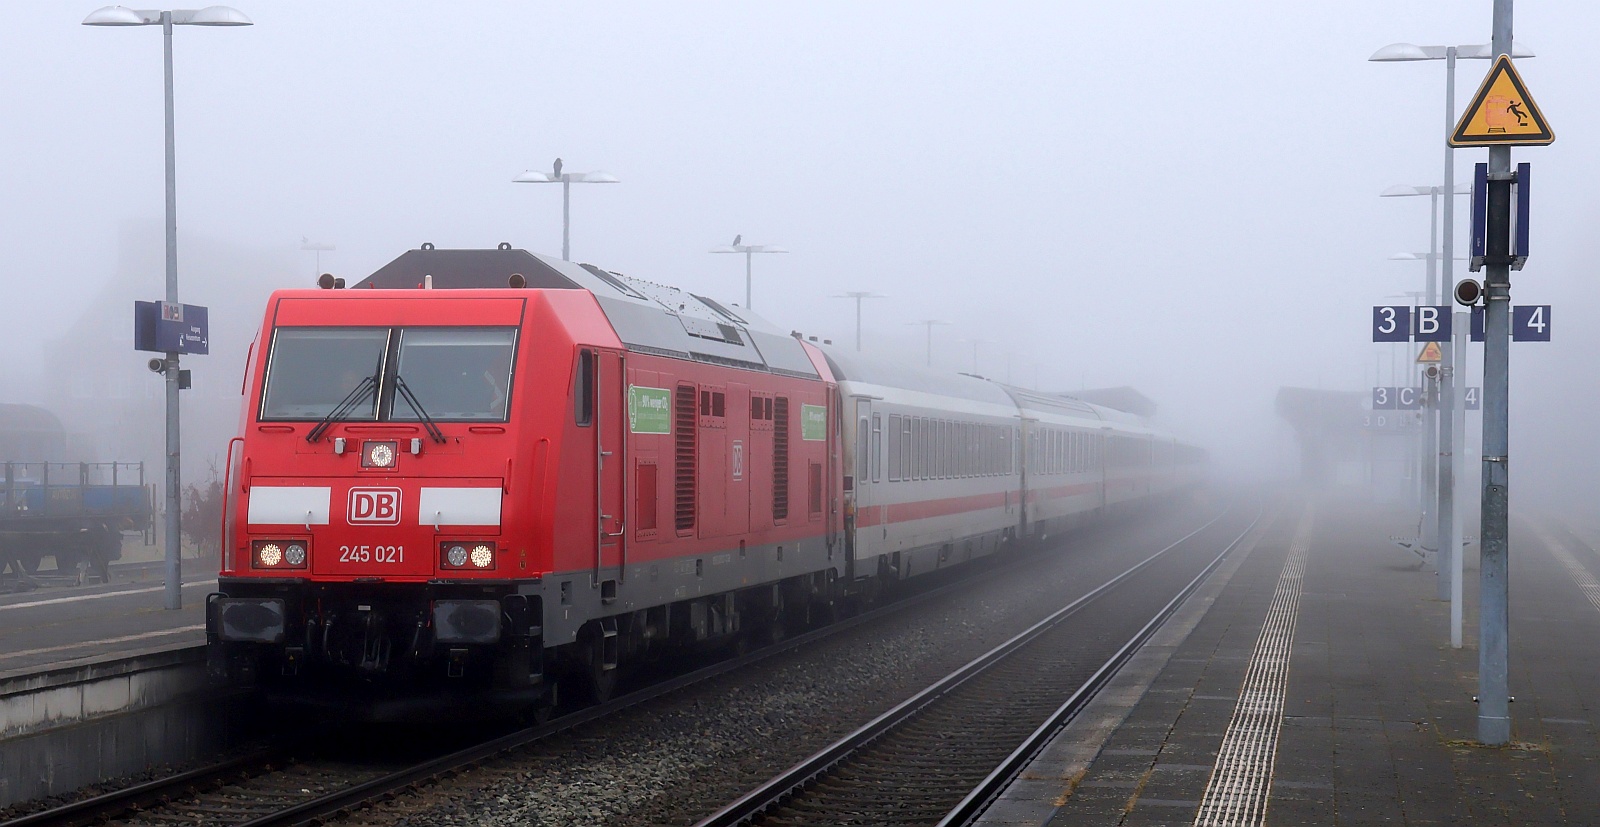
{"points": [[1242, 776]]}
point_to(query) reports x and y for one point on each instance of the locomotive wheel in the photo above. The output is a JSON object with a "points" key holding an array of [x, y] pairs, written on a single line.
{"points": [[598, 682]]}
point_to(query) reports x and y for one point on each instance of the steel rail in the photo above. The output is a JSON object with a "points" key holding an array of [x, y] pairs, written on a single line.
{"points": [[996, 782], [781, 787]]}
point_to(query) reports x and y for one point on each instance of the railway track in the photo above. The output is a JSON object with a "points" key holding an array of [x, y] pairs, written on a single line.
{"points": [[940, 756], [293, 785]]}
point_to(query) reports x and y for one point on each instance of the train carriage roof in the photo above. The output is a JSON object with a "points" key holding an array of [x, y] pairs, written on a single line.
{"points": [[647, 317], [850, 365]]}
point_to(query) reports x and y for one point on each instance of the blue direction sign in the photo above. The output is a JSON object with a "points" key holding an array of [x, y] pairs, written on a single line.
{"points": [[1383, 399], [1529, 323], [1391, 323], [163, 327]]}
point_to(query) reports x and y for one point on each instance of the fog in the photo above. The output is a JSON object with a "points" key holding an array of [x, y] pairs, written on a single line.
{"points": [[1176, 197]]}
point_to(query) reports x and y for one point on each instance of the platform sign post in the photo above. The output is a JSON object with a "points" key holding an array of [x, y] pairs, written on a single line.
{"points": [[1456, 445], [1501, 114]]}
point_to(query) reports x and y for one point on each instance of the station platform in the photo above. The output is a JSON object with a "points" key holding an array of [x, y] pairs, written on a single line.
{"points": [[57, 621], [1311, 680]]}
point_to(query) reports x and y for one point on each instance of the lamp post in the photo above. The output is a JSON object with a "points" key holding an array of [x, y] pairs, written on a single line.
{"points": [[566, 180], [1429, 530], [749, 251], [929, 323], [858, 295], [319, 247], [166, 19]]}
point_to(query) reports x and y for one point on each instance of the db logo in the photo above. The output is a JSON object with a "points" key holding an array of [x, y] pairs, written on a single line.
{"points": [[375, 506]]}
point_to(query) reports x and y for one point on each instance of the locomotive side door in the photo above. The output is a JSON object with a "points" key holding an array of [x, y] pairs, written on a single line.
{"points": [[611, 457], [736, 504]]}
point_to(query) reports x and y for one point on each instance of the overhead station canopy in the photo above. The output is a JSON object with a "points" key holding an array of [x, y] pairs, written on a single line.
{"points": [[1328, 425], [648, 317]]}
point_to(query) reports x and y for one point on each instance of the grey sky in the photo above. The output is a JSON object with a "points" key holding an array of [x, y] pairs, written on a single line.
{"points": [[1176, 196]]}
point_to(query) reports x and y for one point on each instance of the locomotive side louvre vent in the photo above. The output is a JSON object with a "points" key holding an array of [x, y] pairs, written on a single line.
{"points": [[683, 442], [780, 458]]}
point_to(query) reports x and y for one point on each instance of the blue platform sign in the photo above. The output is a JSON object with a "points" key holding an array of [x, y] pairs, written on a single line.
{"points": [[1383, 399], [1473, 398], [1391, 323], [1408, 399], [164, 327], [1530, 323], [1431, 324]]}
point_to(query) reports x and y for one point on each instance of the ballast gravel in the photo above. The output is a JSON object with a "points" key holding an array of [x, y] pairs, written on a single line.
{"points": [[677, 759]]}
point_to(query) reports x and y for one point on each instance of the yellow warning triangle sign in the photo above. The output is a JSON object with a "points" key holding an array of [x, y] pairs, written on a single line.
{"points": [[1430, 353], [1502, 113]]}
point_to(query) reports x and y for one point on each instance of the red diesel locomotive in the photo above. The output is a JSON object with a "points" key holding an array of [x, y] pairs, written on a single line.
{"points": [[484, 470]]}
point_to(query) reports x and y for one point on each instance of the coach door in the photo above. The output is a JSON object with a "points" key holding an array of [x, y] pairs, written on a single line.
{"points": [[611, 456], [863, 455]]}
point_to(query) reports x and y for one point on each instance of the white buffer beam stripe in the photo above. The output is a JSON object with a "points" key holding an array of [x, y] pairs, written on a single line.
{"points": [[284, 505], [440, 507]]}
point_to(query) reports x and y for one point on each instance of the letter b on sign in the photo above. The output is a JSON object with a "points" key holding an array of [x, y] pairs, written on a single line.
{"points": [[374, 506], [1432, 324]]}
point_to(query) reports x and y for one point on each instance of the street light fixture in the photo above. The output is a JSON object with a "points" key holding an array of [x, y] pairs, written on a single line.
{"points": [[166, 19], [858, 295], [929, 323], [318, 247], [566, 180], [749, 251]]}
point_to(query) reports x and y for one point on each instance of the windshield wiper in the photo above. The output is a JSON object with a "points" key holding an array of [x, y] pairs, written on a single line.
{"points": [[404, 390], [343, 409]]}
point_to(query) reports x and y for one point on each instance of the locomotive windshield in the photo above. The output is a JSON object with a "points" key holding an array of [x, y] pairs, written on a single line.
{"points": [[455, 373], [313, 369]]}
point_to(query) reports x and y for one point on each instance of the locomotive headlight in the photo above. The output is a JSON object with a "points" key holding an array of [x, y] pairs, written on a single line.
{"points": [[269, 555], [295, 554], [456, 556], [379, 454], [483, 556]]}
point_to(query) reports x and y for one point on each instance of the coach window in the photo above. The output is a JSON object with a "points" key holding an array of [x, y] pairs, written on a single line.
{"points": [[313, 369]]}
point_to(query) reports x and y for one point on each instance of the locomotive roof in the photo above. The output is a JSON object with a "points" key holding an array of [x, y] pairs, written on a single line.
{"points": [[647, 317]]}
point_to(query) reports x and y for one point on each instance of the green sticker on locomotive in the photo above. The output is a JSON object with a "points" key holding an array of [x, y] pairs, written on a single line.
{"points": [[649, 410], [813, 422]]}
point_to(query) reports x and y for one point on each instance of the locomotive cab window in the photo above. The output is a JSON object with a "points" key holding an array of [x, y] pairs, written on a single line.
{"points": [[455, 373], [312, 370]]}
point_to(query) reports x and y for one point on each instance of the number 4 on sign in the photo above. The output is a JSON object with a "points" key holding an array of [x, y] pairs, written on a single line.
{"points": [[1529, 323]]}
